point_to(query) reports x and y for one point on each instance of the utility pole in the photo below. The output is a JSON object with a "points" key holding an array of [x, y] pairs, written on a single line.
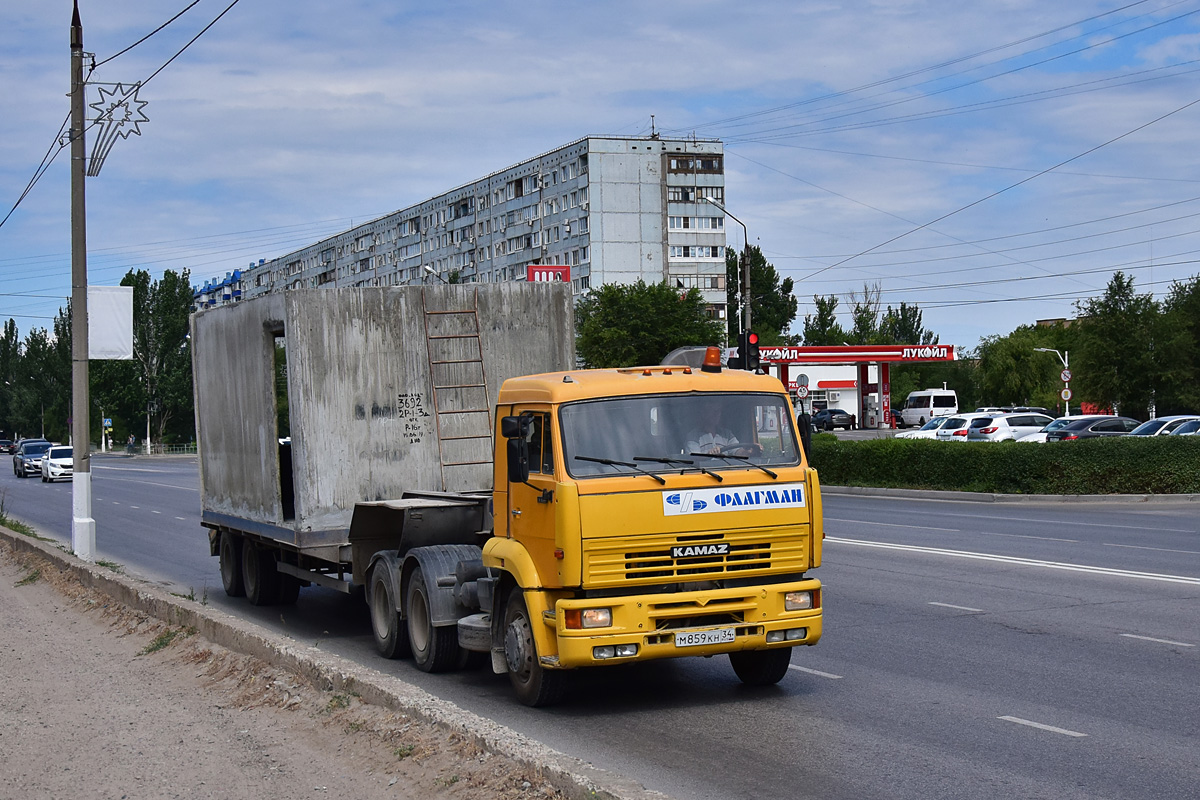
{"points": [[83, 527]]}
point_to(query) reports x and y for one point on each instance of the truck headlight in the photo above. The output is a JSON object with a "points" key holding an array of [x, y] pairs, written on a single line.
{"points": [[576, 618], [797, 601]]}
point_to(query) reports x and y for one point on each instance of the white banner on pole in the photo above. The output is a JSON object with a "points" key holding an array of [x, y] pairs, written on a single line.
{"points": [[110, 322]]}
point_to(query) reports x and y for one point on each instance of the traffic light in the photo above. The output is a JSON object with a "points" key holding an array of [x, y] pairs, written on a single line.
{"points": [[748, 350]]}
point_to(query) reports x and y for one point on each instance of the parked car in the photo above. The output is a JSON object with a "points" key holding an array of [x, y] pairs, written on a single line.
{"points": [[1061, 422], [1026, 410], [927, 431], [1189, 428], [1161, 426], [58, 463], [7, 446], [28, 458], [955, 429], [1005, 427], [1093, 427], [829, 418]]}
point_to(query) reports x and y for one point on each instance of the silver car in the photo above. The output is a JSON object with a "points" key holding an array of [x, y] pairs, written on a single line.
{"points": [[28, 458], [1006, 427]]}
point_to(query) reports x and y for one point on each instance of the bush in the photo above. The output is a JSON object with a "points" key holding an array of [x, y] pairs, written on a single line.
{"points": [[1109, 465]]}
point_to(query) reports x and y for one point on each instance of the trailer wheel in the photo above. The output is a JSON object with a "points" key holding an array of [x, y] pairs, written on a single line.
{"points": [[258, 574], [230, 554], [391, 632], [434, 649], [287, 589], [535, 685], [761, 667]]}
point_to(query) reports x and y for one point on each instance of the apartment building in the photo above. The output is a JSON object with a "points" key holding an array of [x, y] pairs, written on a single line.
{"points": [[613, 210]]}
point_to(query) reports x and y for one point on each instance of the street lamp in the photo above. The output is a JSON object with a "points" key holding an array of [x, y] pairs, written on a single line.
{"points": [[1064, 357], [745, 287]]}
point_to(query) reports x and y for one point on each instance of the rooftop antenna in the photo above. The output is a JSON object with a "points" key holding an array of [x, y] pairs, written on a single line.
{"points": [[653, 132]]}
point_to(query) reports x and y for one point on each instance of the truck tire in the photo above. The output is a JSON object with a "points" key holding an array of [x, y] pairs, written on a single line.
{"points": [[434, 649], [534, 684], [229, 551], [287, 589], [259, 575], [390, 631], [761, 667]]}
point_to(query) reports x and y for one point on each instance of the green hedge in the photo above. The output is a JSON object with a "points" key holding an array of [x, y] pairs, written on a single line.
{"points": [[1110, 465]]}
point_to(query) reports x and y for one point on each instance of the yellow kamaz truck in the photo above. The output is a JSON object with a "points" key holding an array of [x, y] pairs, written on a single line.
{"points": [[553, 519]]}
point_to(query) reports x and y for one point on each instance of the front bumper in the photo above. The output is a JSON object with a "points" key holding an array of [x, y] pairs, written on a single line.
{"points": [[652, 622], [55, 473]]}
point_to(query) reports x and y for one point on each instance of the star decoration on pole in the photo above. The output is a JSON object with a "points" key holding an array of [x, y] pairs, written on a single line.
{"points": [[119, 117]]}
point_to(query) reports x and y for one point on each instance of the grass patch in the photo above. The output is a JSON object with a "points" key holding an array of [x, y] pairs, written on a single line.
{"points": [[31, 578], [166, 639], [337, 703], [114, 566], [404, 751]]}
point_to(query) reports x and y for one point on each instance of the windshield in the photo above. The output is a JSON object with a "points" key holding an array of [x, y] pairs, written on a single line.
{"points": [[917, 402], [60, 452], [36, 449], [1148, 428], [660, 433], [934, 423], [1056, 424]]}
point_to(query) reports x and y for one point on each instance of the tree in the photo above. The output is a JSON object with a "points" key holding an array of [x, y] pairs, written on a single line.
{"points": [[903, 326], [1117, 364], [864, 316], [822, 328], [10, 357], [1179, 342], [637, 324], [158, 381], [1012, 372], [773, 307]]}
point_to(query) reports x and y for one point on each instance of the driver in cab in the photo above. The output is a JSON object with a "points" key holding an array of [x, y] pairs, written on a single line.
{"points": [[710, 437]]}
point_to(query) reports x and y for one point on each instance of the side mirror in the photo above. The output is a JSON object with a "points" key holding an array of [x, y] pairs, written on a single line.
{"points": [[514, 427], [518, 456]]}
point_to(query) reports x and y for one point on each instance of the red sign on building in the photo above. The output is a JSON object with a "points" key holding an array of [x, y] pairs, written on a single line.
{"points": [[547, 272]]}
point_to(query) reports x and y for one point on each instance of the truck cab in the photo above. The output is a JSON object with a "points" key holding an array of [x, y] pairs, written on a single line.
{"points": [[649, 513]]}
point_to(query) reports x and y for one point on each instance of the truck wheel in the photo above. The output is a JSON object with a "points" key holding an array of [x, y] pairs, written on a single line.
{"points": [[761, 667], [391, 632], [229, 552], [258, 574], [434, 649], [535, 686]]}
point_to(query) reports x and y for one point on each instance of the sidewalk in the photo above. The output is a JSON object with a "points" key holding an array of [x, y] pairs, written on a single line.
{"points": [[101, 700]]}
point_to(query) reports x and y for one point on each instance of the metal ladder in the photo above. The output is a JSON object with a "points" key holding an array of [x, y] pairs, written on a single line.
{"points": [[462, 408]]}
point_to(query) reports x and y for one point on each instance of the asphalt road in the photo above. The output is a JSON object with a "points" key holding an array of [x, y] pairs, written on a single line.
{"points": [[1034, 650]]}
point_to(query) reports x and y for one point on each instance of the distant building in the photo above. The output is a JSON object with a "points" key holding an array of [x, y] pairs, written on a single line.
{"points": [[613, 210]]}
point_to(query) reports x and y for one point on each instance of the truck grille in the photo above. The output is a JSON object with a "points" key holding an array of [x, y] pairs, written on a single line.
{"points": [[649, 559]]}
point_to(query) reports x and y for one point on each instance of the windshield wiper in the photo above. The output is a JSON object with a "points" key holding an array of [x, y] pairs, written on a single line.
{"points": [[680, 461], [613, 463], [744, 459]]}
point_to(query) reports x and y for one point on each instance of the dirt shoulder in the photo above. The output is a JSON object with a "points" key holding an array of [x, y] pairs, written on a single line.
{"points": [[99, 700]]}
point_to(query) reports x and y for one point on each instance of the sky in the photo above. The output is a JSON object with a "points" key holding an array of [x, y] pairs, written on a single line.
{"points": [[992, 163]]}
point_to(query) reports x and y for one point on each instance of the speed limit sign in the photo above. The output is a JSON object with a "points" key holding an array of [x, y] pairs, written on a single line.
{"points": [[1065, 394], [1065, 375]]}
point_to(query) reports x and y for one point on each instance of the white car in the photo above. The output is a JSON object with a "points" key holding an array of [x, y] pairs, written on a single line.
{"points": [[58, 464], [1005, 427], [1161, 426], [955, 429], [927, 431]]}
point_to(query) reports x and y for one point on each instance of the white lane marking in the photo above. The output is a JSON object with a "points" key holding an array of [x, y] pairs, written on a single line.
{"points": [[1027, 562], [1015, 519], [138, 508], [1027, 536], [892, 525], [152, 511], [182, 519], [1152, 639], [960, 608], [815, 672], [1042, 727], [1156, 549]]}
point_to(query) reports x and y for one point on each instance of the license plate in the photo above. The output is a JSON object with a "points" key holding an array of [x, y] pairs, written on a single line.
{"points": [[695, 638]]}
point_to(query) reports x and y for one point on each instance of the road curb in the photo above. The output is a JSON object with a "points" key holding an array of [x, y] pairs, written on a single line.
{"points": [[991, 497], [576, 779]]}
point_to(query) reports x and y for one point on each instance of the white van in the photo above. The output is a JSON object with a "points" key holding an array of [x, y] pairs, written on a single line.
{"points": [[924, 405]]}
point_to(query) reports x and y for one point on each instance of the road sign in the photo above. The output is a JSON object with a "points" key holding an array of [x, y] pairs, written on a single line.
{"points": [[108, 422], [1065, 375], [802, 379], [1065, 394], [801, 392]]}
